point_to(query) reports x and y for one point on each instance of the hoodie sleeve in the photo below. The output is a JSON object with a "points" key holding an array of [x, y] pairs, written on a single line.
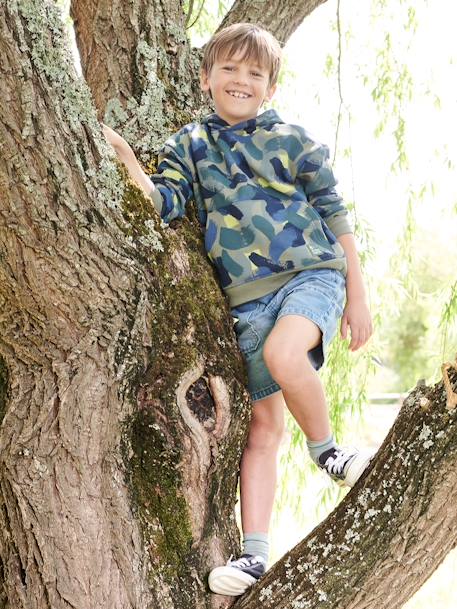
{"points": [[316, 176], [173, 182]]}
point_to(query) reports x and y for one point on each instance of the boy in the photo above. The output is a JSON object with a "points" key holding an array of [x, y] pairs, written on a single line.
{"points": [[277, 233]]}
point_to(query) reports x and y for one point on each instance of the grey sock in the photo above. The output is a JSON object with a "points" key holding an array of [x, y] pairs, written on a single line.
{"points": [[316, 449], [256, 544]]}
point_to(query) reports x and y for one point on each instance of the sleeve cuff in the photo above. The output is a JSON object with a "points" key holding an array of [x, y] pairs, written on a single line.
{"points": [[339, 225], [156, 198]]}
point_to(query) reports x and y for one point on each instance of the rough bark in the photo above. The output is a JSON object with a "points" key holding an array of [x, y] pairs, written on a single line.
{"points": [[280, 17], [122, 402], [140, 68]]}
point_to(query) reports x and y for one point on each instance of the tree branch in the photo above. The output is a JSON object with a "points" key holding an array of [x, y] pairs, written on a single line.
{"points": [[391, 531], [280, 17]]}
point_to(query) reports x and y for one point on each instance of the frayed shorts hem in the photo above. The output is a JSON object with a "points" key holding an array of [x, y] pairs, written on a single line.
{"points": [[265, 393]]}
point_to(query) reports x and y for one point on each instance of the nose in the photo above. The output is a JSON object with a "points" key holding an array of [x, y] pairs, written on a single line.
{"points": [[241, 78]]}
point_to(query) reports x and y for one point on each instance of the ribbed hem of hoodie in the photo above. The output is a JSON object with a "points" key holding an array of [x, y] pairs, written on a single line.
{"points": [[257, 288]]}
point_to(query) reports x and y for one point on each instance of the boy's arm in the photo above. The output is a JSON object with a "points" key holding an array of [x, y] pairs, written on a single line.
{"points": [[172, 186], [315, 173], [127, 156], [356, 313]]}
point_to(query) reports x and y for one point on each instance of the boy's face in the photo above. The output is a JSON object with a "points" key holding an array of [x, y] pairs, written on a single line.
{"points": [[238, 88]]}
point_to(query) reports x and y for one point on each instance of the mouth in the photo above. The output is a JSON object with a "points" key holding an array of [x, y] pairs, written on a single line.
{"points": [[239, 94]]}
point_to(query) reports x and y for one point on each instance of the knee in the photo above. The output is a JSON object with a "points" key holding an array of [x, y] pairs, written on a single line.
{"points": [[286, 366]]}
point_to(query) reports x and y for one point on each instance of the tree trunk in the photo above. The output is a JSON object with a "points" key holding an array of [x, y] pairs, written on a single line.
{"points": [[124, 418], [122, 401]]}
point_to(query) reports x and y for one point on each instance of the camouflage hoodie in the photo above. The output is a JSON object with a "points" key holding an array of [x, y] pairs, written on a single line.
{"points": [[265, 194]]}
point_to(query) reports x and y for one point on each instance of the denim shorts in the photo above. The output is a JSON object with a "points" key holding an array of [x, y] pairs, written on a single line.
{"points": [[318, 294]]}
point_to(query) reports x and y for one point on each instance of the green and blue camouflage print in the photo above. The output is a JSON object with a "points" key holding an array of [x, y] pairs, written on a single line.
{"points": [[266, 197]]}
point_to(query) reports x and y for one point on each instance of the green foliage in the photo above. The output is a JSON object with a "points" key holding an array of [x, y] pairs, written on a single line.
{"points": [[418, 326], [406, 340], [392, 84], [448, 323], [204, 16]]}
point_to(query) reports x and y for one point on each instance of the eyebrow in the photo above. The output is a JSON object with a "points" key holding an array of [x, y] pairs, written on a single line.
{"points": [[238, 61]]}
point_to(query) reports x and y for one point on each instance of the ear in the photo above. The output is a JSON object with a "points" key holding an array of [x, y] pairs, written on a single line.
{"points": [[270, 92], [204, 81]]}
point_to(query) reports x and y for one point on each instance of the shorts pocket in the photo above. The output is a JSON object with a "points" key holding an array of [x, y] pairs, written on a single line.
{"points": [[248, 337]]}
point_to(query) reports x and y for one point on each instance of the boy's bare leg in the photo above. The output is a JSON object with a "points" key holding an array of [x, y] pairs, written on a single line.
{"points": [[285, 354], [259, 463], [257, 487]]}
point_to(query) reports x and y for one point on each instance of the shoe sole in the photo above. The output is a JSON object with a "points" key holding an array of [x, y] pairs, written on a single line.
{"points": [[356, 469], [229, 581]]}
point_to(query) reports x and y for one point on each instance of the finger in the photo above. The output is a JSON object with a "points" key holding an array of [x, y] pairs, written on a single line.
{"points": [[362, 339], [354, 338], [344, 327], [359, 339], [365, 336], [368, 331]]}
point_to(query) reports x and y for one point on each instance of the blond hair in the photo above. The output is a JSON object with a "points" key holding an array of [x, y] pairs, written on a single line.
{"points": [[255, 44]]}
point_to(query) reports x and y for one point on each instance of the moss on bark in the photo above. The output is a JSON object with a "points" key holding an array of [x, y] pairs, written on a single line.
{"points": [[191, 324], [154, 482]]}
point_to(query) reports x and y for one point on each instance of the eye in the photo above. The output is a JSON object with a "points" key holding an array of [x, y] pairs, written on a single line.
{"points": [[228, 68]]}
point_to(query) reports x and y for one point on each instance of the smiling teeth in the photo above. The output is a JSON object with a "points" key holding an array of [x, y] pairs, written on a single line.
{"points": [[237, 94]]}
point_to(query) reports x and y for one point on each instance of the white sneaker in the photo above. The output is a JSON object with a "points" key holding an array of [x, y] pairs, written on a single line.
{"points": [[237, 575], [345, 465]]}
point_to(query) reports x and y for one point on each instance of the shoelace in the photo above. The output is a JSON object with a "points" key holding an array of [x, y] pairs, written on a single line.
{"points": [[241, 562], [335, 465]]}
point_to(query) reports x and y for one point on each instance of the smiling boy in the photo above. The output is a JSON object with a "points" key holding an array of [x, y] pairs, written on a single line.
{"points": [[277, 232]]}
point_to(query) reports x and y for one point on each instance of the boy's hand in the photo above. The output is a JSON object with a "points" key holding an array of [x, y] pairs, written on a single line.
{"points": [[357, 316], [127, 156], [116, 141]]}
